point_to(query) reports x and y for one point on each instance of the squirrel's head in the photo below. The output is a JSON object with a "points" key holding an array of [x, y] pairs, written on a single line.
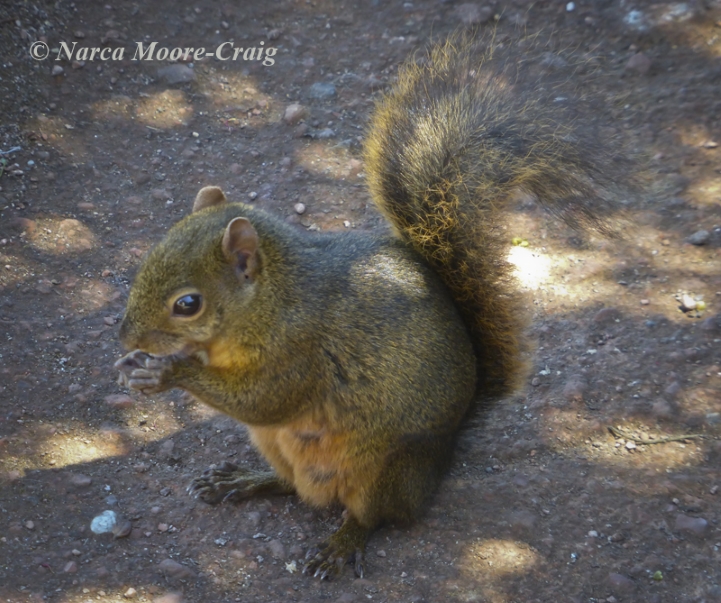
{"points": [[177, 299]]}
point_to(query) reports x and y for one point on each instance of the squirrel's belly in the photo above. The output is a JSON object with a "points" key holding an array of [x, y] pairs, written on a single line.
{"points": [[317, 462]]}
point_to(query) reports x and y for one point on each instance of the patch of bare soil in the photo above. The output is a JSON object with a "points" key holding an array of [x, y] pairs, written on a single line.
{"points": [[543, 502]]}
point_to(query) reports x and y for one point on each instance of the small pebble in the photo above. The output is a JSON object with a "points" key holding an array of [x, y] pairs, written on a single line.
{"points": [[252, 195], [294, 113], [639, 63], [30, 525], [81, 480], [58, 70], [104, 523], [570, 7], [700, 237], [176, 74], [474, 14], [277, 550], [119, 401], [325, 133], [322, 90], [299, 208], [130, 593], [694, 525], [619, 582], [173, 569], [688, 303]]}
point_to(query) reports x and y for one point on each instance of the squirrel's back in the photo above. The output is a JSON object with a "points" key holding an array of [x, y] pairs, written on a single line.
{"points": [[458, 134]]}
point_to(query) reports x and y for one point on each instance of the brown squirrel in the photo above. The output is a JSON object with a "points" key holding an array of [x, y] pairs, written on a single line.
{"points": [[353, 358]]}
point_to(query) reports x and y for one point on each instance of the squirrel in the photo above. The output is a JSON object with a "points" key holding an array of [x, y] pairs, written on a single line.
{"points": [[353, 358]]}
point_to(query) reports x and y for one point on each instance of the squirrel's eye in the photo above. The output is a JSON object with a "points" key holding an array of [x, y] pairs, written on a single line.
{"points": [[188, 305]]}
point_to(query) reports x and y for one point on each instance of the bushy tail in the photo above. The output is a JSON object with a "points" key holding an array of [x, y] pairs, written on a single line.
{"points": [[448, 146]]}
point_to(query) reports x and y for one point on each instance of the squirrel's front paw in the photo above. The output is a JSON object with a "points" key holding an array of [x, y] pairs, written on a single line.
{"points": [[143, 372]]}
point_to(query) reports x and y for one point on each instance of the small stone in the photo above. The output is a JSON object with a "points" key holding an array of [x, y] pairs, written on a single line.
{"points": [[381, 553], [712, 324], [70, 567], [299, 208], [325, 133], [169, 598], [630, 445], [639, 63], [574, 389], [130, 593], [688, 303], [522, 521], [621, 583], [119, 401], [76, 552], [700, 237], [104, 523], [277, 550], [274, 34], [30, 525], [693, 525], [58, 70], [254, 518], [474, 14], [81, 480], [607, 315], [176, 74], [175, 570], [166, 449], [570, 7], [294, 113], [322, 90], [160, 194], [163, 527]]}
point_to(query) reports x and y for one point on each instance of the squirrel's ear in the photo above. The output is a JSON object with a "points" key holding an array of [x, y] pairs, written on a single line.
{"points": [[207, 197], [240, 246]]}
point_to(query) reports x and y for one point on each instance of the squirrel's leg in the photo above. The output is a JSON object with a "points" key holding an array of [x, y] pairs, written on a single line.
{"points": [[410, 475], [228, 482]]}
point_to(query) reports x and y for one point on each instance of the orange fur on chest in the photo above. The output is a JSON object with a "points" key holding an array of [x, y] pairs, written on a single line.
{"points": [[318, 463]]}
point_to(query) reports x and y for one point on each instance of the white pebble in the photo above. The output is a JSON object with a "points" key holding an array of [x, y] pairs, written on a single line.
{"points": [[570, 7], [299, 208], [104, 523]]}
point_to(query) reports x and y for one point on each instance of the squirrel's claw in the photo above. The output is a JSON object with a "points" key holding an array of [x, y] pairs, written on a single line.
{"points": [[348, 543]]}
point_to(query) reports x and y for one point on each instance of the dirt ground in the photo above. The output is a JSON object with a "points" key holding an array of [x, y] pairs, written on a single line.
{"points": [[543, 503]]}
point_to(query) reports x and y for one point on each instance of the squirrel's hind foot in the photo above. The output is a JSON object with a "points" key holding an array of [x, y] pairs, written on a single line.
{"points": [[229, 483], [327, 559]]}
